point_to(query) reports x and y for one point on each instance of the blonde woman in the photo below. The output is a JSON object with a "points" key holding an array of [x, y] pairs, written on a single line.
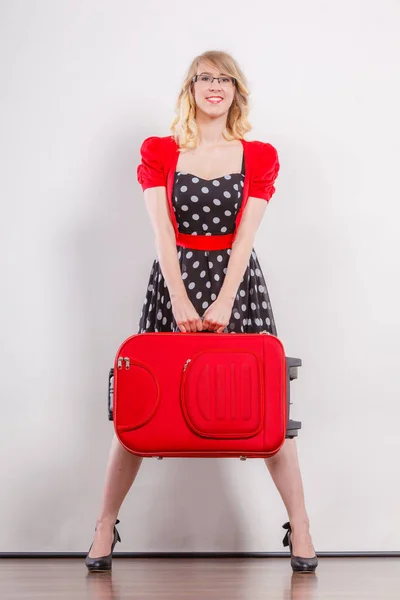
{"points": [[200, 184]]}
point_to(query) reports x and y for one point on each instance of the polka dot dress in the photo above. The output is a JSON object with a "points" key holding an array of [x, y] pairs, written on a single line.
{"points": [[208, 207]]}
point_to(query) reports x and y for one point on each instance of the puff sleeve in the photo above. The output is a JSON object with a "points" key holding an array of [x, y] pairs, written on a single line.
{"points": [[265, 172], [150, 172]]}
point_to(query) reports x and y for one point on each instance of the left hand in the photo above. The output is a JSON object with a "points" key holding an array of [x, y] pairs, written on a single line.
{"points": [[216, 317]]}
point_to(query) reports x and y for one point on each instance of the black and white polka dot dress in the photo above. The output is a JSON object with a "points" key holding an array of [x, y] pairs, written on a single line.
{"points": [[208, 207]]}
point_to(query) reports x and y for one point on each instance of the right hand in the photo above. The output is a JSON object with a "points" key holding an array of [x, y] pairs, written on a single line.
{"points": [[185, 314]]}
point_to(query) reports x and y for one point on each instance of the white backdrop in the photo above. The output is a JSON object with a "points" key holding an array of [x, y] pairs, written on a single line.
{"points": [[83, 83]]}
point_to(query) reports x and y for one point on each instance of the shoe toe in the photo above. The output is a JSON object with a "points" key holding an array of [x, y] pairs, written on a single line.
{"points": [[100, 563], [98, 566], [304, 565]]}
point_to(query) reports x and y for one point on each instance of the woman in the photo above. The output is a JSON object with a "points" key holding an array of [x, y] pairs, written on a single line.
{"points": [[196, 195]]}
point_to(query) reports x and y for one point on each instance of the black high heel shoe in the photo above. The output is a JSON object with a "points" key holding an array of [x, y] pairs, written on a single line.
{"points": [[102, 563], [298, 563]]}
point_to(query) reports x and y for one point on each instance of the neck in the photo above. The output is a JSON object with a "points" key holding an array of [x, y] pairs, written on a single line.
{"points": [[210, 129]]}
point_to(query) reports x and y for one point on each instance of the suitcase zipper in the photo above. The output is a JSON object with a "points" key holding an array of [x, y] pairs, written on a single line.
{"points": [[189, 359], [127, 361]]}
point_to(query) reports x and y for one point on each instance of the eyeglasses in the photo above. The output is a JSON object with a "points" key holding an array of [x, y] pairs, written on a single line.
{"points": [[207, 79]]}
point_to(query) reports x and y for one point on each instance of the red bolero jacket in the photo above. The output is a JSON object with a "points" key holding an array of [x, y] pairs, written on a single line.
{"points": [[159, 157]]}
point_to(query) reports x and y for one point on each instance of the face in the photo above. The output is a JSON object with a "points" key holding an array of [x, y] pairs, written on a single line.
{"points": [[212, 97]]}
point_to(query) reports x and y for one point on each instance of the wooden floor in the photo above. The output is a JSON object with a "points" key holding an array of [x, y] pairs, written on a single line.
{"points": [[200, 579]]}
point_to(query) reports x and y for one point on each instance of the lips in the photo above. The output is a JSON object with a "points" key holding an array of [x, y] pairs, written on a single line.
{"points": [[214, 99]]}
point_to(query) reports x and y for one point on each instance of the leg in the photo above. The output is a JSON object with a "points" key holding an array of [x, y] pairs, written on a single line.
{"points": [[122, 469], [285, 471]]}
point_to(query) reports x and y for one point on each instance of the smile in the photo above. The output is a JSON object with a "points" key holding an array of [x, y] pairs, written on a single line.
{"points": [[214, 99]]}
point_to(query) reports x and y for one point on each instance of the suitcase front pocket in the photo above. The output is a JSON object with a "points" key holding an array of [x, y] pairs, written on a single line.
{"points": [[222, 393], [137, 384]]}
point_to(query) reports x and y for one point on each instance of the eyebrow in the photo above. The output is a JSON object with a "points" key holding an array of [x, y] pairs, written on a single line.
{"points": [[208, 73]]}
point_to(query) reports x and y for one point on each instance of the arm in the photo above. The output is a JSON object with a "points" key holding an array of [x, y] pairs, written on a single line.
{"points": [[165, 241], [261, 189], [242, 247], [151, 176]]}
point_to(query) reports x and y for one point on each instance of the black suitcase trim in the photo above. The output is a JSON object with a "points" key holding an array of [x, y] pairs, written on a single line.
{"points": [[111, 395]]}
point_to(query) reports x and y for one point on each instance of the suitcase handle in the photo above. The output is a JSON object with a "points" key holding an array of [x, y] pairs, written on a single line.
{"points": [[292, 365], [207, 330], [110, 395]]}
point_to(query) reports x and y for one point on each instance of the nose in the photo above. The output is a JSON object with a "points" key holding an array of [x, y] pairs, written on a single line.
{"points": [[215, 86]]}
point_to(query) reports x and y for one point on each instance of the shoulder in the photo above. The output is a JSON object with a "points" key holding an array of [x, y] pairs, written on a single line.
{"points": [[156, 157], [156, 144], [264, 170], [262, 151]]}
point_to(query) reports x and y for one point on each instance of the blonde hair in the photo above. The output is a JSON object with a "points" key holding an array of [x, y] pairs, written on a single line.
{"points": [[184, 127]]}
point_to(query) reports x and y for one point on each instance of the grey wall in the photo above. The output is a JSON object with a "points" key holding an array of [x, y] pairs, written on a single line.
{"points": [[83, 83]]}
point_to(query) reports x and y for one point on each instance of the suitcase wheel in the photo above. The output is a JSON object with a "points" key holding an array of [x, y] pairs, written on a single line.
{"points": [[292, 428]]}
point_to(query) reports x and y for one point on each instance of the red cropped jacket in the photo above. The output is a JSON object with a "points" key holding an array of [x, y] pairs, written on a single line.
{"points": [[159, 157]]}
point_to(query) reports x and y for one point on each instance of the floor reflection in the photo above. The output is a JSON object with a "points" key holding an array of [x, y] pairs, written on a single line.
{"points": [[303, 586], [103, 586]]}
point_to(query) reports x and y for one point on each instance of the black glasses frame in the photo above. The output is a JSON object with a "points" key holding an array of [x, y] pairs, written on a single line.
{"points": [[195, 78]]}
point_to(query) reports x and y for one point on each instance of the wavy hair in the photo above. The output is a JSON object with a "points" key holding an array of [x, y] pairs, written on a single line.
{"points": [[184, 127]]}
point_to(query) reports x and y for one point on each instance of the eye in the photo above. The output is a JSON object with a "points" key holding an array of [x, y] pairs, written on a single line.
{"points": [[205, 78], [225, 79]]}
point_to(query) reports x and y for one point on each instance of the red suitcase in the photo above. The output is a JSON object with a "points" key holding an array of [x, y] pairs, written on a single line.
{"points": [[202, 394]]}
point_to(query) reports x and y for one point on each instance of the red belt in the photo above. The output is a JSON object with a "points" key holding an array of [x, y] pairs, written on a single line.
{"points": [[204, 242]]}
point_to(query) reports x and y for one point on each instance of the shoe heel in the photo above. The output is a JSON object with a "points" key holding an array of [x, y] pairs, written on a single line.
{"points": [[101, 564], [299, 564]]}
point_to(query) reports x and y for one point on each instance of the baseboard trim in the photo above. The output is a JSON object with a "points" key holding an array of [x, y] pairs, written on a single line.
{"points": [[199, 555]]}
